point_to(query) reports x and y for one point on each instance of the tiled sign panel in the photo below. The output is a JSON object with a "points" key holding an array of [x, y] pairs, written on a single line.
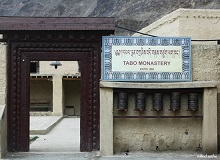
{"points": [[146, 59]]}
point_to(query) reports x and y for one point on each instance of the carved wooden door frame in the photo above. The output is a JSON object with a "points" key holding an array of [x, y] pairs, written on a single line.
{"points": [[19, 56]]}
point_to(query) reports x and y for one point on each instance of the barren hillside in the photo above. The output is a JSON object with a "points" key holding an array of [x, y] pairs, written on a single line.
{"points": [[133, 14]]}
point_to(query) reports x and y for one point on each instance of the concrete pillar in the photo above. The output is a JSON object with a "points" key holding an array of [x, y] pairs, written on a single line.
{"points": [[3, 83], [106, 121], [209, 126], [3, 107], [57, 95]]}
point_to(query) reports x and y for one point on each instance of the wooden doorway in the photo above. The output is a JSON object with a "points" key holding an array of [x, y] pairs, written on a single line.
{"points": [[19, 82], [53, 38]]}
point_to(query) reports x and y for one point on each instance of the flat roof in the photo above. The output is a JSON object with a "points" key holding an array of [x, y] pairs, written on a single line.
{"points": [[56, 23]]}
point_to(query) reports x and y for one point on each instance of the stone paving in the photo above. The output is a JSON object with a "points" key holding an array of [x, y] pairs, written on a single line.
{"points": [[120, 156], [65, 137]]}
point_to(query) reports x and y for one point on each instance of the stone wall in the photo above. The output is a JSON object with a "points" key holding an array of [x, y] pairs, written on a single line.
{"points": [[150, 134], [197, 24], [206, 66], [157, 134], [168, 134]]}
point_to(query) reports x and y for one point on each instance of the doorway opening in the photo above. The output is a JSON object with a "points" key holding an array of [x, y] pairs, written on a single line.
{"points": [[55, 105], [21, 54], [47, 39]]}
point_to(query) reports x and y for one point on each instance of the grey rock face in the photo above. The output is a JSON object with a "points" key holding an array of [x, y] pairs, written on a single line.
{"points": [[132, 14]]}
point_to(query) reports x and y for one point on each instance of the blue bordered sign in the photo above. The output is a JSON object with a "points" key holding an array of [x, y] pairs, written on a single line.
{"points": [[146, 59]]}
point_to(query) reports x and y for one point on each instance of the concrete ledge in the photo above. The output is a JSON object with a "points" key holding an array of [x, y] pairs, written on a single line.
{"points": [[43, 124], [41, 113], [195, 84]]}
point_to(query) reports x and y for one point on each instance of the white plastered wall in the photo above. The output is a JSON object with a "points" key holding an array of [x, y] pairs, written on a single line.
{"points": [[68, 67], [199, 24]]}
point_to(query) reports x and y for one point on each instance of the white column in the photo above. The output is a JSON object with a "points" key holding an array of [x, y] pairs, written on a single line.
{"points": [[3, 107], [209, 125], [106, 121], [57, 95], [3, 82]]}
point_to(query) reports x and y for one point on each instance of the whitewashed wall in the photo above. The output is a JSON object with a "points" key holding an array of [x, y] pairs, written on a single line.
{"points": [[68, 67]]}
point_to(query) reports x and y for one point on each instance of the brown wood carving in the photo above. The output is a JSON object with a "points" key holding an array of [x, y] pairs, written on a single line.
{"points": [[20, 54]]}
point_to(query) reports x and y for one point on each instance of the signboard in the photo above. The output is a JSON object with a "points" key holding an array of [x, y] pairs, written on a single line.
{"points": [[146, 59]]}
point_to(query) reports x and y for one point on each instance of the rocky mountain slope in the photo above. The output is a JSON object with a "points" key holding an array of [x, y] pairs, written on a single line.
{"points": [[132, 14]]}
